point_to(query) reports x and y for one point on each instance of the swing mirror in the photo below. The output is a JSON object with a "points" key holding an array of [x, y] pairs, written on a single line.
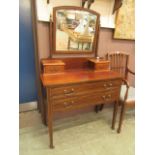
{"points": [[75, 30]]}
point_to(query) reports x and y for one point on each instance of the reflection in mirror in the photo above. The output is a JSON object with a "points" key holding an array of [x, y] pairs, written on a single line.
{"points": [[75, 30]]}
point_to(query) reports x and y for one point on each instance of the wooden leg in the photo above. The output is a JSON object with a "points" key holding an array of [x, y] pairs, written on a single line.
{"points": [[50, 128], [114, 114], [121, 118], [97, 108], [43, 107], [50, 120], [101, 107], [44, 114]]}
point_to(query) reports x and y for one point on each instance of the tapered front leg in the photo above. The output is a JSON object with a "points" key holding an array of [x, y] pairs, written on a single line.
{"points": [[97, 108], [50, 120], [50, 128], [114, 114], [101, 107]]}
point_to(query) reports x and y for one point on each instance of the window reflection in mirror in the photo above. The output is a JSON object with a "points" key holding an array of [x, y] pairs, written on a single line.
{"points": [[75, 30]]}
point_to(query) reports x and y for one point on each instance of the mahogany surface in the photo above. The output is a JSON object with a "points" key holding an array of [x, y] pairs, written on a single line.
{"points": [[53, 66], [73, 63], [100, 64], [75, 76], [75, 89]]}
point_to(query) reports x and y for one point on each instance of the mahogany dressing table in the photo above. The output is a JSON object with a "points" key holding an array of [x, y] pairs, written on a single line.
{"points": [[75, 82]]}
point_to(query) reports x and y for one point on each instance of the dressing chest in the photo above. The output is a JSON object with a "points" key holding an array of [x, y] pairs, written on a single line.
{"points": [[73, 78]]}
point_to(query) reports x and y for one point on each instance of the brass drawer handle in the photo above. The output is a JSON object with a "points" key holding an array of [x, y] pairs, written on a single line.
{"points": [[109, 96], [110, 84], [68, 104], [103, 97], [68, 94], [105, 85], [69, 91]]}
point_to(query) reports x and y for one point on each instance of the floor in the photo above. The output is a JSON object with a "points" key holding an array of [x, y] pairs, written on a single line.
{"points": [[83, 134]]}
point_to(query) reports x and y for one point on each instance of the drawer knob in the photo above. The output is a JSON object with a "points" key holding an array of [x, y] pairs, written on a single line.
{"points": [[68, 104], [104, 85], [65, 91], [110, 84], [109, 96], [103, 97], [68, 94], [68, 91]]}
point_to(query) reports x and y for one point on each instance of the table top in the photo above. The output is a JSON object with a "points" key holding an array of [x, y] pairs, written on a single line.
{"points": [[77, 76]]}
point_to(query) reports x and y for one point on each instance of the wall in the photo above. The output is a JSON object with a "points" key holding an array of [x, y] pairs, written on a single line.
{"points": [[27, 74]]}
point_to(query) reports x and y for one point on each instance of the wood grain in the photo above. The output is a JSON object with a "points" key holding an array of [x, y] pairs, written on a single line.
{"points": [[75, 76]]}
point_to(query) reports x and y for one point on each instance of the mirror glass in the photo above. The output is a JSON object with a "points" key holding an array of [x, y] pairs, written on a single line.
{"points": [[75, 30]]}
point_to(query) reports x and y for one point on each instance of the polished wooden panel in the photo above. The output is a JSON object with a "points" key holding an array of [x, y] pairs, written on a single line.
{"points": [[75, 89], [83, 88], [51, 69], [53, 66], [85, 100], [72, 63], [99, 64], [77, 77]]}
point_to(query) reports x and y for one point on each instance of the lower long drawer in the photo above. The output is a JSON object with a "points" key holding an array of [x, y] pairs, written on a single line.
{"points": [[78, 102]]}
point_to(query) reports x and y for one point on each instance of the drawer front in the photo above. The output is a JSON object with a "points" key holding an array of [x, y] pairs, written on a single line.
{"points": [[84, 88], [86, 100], [103, 66], [53, 69]]}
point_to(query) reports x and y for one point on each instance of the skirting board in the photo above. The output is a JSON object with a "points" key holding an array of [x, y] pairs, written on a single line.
{"points": [[28, 106]]}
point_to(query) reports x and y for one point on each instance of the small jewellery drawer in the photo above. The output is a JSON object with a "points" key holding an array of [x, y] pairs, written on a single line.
{"points": [[52, 66], [84, 88], [81, 101], [53, 69]]}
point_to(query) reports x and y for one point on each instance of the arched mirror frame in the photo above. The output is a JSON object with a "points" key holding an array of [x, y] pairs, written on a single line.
{"points": [[53, 33]]}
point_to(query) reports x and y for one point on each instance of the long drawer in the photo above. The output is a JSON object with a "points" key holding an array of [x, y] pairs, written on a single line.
{"points": [[78, 102], [83, 88]]}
